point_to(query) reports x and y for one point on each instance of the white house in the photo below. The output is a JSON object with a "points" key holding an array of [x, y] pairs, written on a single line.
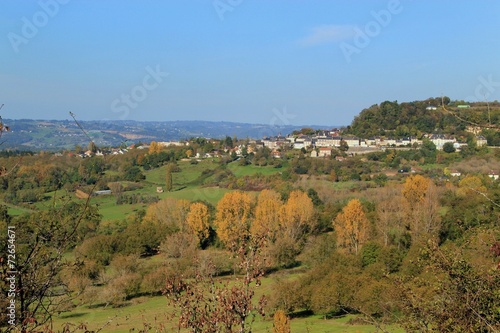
{"points": [[352, 141], [328, 141], [440, 139], [481, 141], [324, 152], [493, 174]]}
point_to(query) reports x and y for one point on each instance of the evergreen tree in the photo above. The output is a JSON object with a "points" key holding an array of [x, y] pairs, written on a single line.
{"points": [[168, 178]]}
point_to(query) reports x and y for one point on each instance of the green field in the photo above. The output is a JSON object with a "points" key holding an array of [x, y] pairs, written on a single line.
{"points": [[156, 311], [250, 170], [15, 210]]}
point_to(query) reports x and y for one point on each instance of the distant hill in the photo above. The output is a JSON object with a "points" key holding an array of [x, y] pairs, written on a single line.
{"points": [[390, 119], [27, 134], [405, 119]]}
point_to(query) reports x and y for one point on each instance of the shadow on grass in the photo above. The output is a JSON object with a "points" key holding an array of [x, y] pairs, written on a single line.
{"points": [[301, 314], [72, 315]]}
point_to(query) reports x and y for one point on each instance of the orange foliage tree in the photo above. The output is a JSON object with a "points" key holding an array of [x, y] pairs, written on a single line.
{"points": [[281, 322], [351, 226], [297, 215], [154, 147], [232, 218], [198, 221], [414, 189], [267, 215], [422, 206]]}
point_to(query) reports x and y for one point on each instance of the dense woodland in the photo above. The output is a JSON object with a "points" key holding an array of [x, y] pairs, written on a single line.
{"points": [[391, 236], [434, 115]]}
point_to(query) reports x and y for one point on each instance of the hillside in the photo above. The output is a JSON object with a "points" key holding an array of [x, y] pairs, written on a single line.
{"points": [[428, 116]]}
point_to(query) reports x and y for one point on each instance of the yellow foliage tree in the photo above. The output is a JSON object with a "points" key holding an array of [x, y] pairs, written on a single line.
{"points": [[154, 147], [351, 226], [232, 218], [267, 215], [198, 221], [281, 322], [415, 188], [421, 203], [297, 214], [470, 185]]}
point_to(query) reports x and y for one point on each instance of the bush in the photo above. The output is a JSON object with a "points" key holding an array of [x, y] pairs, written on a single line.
{"points": [[179, 245], [283, 252], [121, 288], [134, 174], [154, 282], [215, 262], [99, 248], [369, 254]]}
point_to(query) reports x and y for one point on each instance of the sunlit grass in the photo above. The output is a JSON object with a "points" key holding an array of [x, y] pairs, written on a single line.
{"points": [[156, 311], [250, 170]]}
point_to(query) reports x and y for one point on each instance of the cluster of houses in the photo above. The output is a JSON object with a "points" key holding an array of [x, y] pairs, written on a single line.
{"points": [[320, 144], [121, 151], [493, 174], [326, 140], [90, 153]]}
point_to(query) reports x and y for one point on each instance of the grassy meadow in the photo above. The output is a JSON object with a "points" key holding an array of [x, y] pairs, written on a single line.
{"points": [[154, 311]]}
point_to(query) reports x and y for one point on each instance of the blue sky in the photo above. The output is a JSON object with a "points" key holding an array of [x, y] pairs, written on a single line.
{"points": [[259, 61]]}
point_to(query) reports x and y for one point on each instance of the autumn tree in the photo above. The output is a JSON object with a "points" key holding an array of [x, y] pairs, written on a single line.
{"points": [[415, 188], [267, 220], [298, 215], [204, 305], [284, 225], [198, 221], [470, 186], [154, 147], [281, 322], [421, 206], [232, 218], [351, 226]]}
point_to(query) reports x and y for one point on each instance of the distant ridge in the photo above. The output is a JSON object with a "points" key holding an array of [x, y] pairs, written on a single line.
{"points": [[29, 134]]}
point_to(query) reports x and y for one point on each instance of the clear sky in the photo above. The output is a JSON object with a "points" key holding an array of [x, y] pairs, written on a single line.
{"points": [[259, 61]]}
